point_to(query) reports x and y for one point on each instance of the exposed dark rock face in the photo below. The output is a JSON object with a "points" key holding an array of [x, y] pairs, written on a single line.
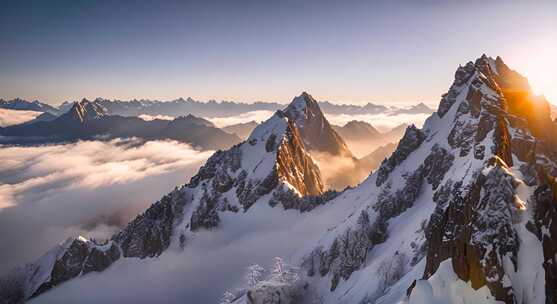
{"points": [[545, 219], [485, 125], [391, 204], [411, 140], [290, 200], [206, 215], [219, 161], [437, 164], [462, 75], [270, 144], [81, 257], [347, 252], [474, 220], [502, 142], [148, 235]]}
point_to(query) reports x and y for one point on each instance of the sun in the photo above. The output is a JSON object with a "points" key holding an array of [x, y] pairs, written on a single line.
{"points": [[538, 63]]}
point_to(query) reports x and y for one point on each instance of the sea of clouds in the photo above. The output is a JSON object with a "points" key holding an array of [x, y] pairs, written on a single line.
{"points": [[381, 121], [92, 188]]}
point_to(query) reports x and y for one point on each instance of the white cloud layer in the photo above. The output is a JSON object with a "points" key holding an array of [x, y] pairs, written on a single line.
{"points": [[380, 121], [14, 117], [258, 116], [148, 117], [51, 192]]}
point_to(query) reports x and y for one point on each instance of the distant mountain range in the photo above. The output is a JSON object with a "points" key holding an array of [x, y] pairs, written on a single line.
{"points": [[100, 119], [89, 120], [21, 104], [181, 107]]}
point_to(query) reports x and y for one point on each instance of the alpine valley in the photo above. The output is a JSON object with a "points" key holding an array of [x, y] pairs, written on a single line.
{"points": [[464, 210]]}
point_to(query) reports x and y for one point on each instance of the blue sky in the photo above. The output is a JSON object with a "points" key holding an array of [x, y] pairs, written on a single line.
{"points": [[342, 51]]}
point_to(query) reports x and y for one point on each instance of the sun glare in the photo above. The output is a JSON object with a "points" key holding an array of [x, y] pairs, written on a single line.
{"points": [[539, 66]]}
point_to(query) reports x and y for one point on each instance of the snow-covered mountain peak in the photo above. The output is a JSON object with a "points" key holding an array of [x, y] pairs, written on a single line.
{"points": [[463, 193], [300, 107], [315, 129]]}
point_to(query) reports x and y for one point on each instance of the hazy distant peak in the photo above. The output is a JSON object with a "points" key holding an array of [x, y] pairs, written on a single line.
{"points": [[86, 110], [191, 119], [358, 125], [421, 107]]}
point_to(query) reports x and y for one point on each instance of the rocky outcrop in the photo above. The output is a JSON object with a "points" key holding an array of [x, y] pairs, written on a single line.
{"points": [[81, 257], [437, 164], [475, 231], [411, 140], [347, 252], [462, 75], [271, 294], [545, 228], [148, 235], [291, 200]]}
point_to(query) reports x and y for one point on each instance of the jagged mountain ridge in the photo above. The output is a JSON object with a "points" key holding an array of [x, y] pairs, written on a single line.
{"points": [[21, 104], [463, 210], [224, 108], [465, 206]]}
